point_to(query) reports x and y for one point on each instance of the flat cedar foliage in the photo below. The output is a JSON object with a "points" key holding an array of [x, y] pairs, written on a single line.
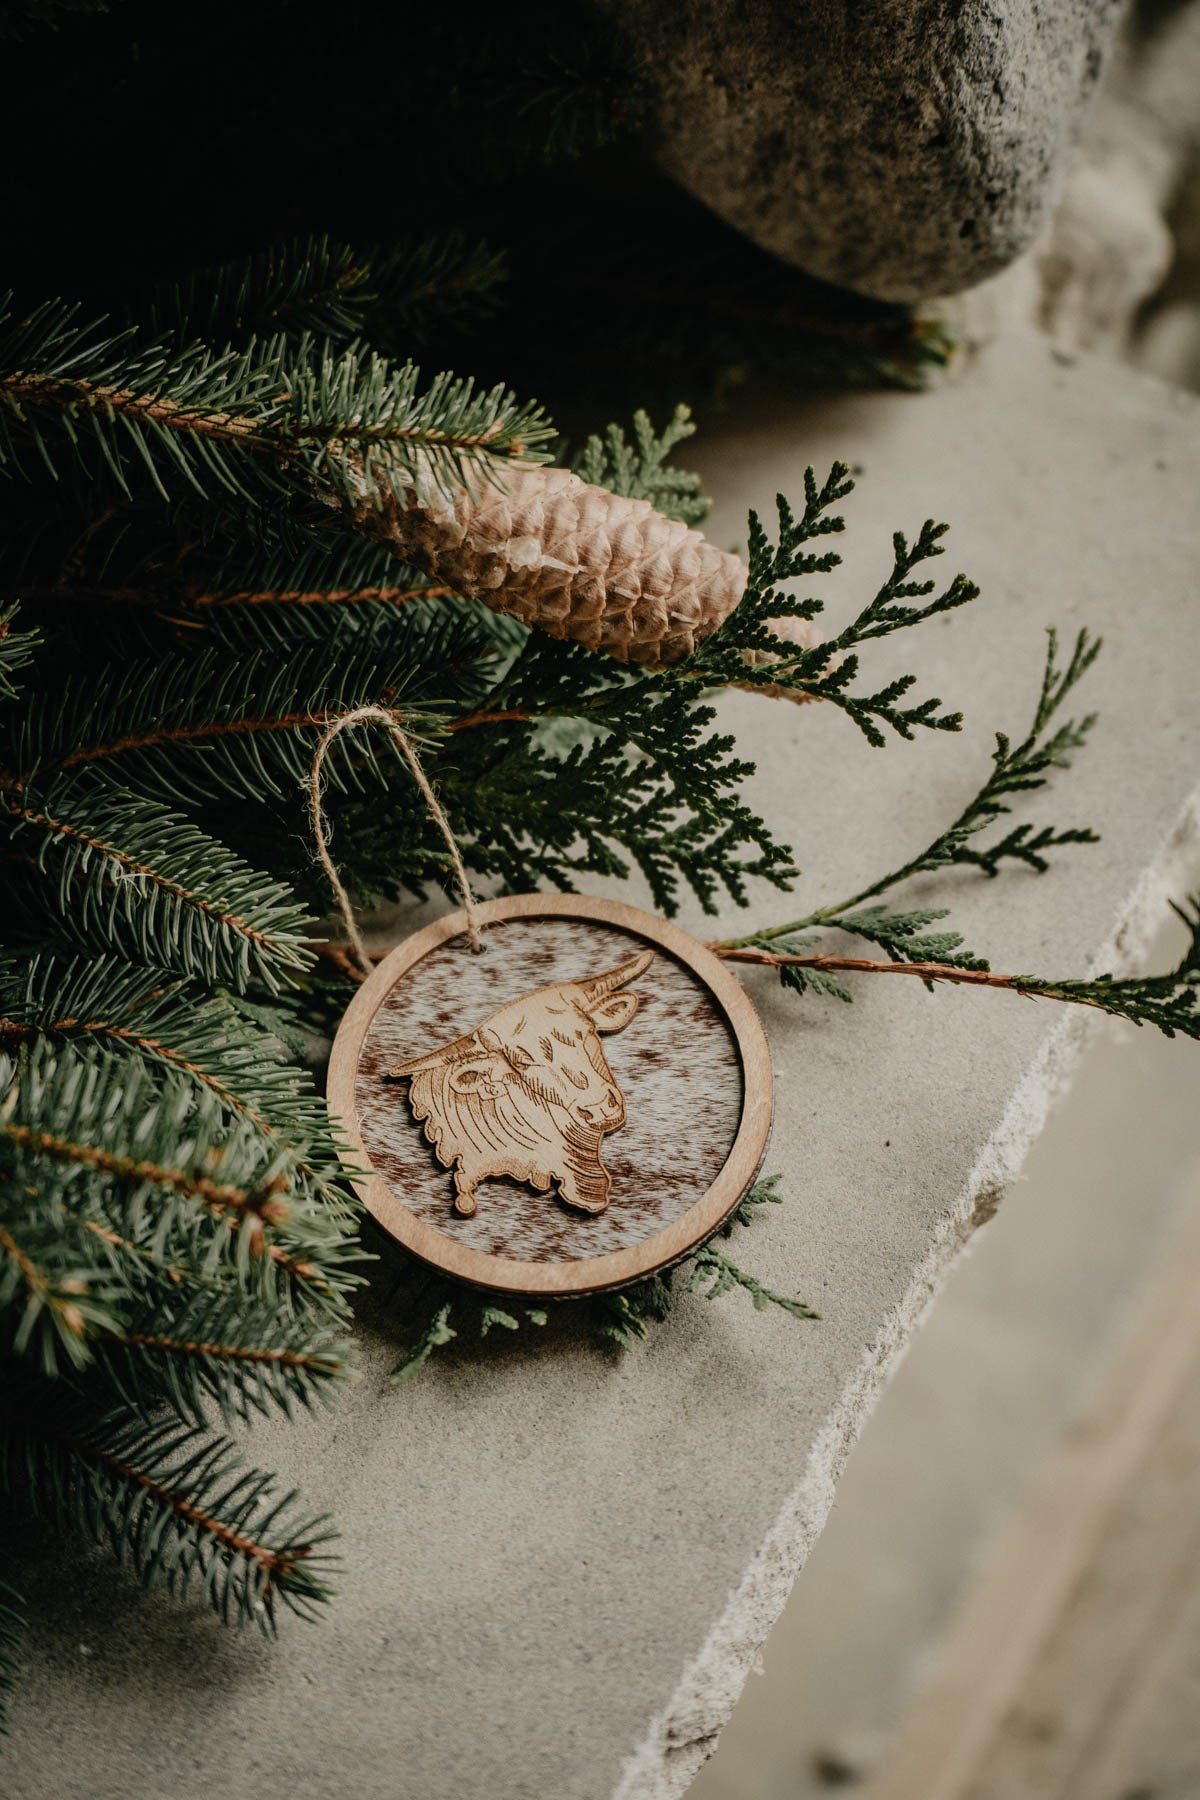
{"points": [[210, 330]]}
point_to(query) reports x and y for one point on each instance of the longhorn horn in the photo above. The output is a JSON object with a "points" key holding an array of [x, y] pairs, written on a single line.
{"points": [[601, 986]]}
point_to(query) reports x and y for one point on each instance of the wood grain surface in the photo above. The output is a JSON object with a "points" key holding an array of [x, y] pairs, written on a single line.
{"points": [[678, 1062]]}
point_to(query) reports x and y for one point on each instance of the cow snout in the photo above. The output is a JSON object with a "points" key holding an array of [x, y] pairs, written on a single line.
{"points": [[605, 1112]]}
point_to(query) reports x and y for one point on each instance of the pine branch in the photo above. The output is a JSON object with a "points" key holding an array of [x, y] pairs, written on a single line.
{"points": [[214, 1347], [12, 1634], [260, 1203], [224, 1068], [827, 671], [53, 1295], [16, 651], [175, 1504], [256, 424], [127, 876], [127, 1166], [317, 286], [188, 729]]}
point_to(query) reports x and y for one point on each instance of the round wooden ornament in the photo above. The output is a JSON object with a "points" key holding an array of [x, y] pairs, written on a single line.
{"points": [[579, 1105]]}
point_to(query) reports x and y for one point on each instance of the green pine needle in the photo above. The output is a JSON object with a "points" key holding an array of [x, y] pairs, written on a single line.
{"points": [[326, 289], [270, 420], [174, 1502], [16, 651], [12, 1634], [130, 877]]}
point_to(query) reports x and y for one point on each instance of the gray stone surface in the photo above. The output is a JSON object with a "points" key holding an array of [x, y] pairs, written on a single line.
{"points": [[904, 148], [1024, 1336], [559, 1566]]}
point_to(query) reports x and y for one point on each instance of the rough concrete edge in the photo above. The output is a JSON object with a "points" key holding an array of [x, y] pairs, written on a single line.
{"points": [[684, 1735]]}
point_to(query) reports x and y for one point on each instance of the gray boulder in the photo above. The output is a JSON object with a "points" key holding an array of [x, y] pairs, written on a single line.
{"points": [[899, 147]]}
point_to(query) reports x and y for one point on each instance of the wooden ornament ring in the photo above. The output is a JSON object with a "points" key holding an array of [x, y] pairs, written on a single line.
{"points": [[581, 1275]]}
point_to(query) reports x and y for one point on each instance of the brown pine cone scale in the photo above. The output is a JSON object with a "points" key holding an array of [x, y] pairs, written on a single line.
{"points": [[577, 561]]}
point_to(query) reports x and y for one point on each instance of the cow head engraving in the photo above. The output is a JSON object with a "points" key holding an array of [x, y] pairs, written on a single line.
{"points": [[529, 1092]]}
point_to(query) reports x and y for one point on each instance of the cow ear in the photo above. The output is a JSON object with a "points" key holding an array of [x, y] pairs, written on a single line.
{"points": [[614, 1013]]}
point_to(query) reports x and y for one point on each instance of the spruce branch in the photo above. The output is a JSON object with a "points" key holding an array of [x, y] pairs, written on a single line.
{"points": [[257, 423], [214, 1347], [221, 1064], [12, 1634], [188, 729], [175, 1503], [16, 651], [218, 1196], [126, 1162], [52, 1295], [128, 876], [319, 287]]}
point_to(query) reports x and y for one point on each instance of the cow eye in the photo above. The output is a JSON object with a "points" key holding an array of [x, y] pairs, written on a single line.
{"points": [[520, 1059]]}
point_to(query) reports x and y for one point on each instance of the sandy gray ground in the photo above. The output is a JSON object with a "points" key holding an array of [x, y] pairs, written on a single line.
{"points": [[559, 1566]]}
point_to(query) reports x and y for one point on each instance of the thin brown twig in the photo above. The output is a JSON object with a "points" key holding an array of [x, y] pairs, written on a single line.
{"points": [[61, 828], [273, 1562], [289, 1359], [198, 597], [255, 433], [924, 971], [198, 733], [16, 1032], [470, 720], [389, 596], [217, 1196]]}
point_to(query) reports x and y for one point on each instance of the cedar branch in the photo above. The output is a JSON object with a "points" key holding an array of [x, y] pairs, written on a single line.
{"points": [[924, 971]]}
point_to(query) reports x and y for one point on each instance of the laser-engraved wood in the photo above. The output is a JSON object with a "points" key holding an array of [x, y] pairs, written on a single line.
{"points": [[529, 1093], [680, 1090]]}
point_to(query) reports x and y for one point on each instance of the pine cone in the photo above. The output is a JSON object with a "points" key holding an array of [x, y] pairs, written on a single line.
{"points": [[575, 560]]}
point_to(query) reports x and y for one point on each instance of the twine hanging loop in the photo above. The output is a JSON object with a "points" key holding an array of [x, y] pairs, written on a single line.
{"points": [[378, 715]]}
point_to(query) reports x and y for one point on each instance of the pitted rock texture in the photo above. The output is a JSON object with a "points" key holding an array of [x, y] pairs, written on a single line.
{"points": [[905, 148]]}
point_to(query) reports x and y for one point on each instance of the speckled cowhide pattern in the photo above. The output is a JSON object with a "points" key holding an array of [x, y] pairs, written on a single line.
{"points": [[675, 1062]]}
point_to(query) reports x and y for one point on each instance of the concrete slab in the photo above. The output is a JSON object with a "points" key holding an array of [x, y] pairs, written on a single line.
{"points": [[559, 1567], [1024, 1337]]}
